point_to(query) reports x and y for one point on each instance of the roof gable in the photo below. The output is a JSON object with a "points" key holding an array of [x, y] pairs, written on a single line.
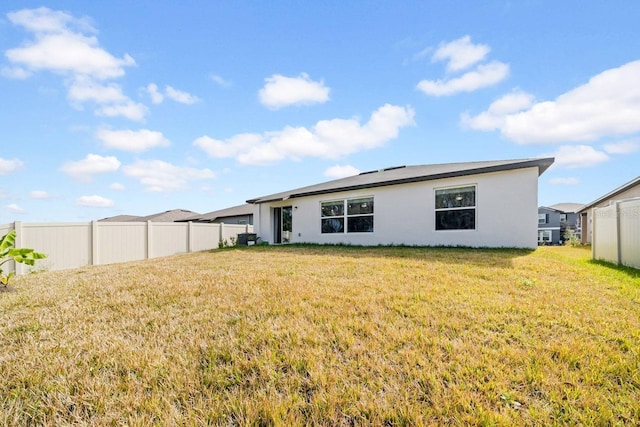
{"points": [[611, 194], [407, 174]]}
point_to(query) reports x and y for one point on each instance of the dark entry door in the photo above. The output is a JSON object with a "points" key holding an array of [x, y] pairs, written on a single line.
{"points": [[282, 224]]}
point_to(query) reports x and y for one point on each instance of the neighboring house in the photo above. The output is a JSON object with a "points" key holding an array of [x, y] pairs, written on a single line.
{"points": [[167, 216], [629, 190], [477, 204], [553, 222], [120, 218], [242, 214]]}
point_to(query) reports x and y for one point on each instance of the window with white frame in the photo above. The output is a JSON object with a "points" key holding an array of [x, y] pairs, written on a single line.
{"points": [[544, 236], [357, 213], [456, 208], [542, 218]]}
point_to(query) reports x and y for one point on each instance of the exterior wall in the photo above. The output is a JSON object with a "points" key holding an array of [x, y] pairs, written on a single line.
{"points": [[72, 245], [240, 219], [506, 214], [587, 217]]}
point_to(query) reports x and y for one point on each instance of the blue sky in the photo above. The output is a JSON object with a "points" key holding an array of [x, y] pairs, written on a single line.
{"points": [[120, 107]]}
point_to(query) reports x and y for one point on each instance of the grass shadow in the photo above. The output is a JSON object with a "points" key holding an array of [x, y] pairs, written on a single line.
{"points": [[634, 273]]}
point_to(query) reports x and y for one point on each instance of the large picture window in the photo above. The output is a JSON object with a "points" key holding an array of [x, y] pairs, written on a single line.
{"points": [[357, 213], [456, 208]]}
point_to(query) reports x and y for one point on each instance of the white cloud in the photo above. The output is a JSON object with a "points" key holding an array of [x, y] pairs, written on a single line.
{"points": [[9, 166], [159, 176], [117, 186], [326, 139], [156, 96], [281, 91], [460, 53], [496, 115], [65, 45], [577, 156], [564, 181], [15, 209], [220, 81], [17, 73], [130, 110], [109, 97], [91, 165], [483, 76], [180, 96], [85, 89], [39, 194], [44, 20], [622, 147], [59, 47], [94, 201], [338, 171], [608, 105], [130, 140]]}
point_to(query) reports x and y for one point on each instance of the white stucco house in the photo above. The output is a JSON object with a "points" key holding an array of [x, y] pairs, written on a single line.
{"points": [[475, 204]]}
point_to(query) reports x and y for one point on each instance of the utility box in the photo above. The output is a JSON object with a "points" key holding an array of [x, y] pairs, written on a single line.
{"points": [[247, 239]]}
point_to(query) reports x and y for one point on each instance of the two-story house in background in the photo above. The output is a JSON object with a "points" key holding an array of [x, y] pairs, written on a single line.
{"points": [[555, 220]]}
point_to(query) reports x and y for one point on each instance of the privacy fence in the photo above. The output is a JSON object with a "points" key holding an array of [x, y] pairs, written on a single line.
{"points": [[616, 233], [71, 245]]}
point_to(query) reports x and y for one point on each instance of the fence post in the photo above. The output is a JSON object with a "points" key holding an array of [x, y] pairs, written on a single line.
{"points": [[149, 240], [189, 237], [95, 256], [18, 267], [592, 229], [618, 235], [220, 230]]}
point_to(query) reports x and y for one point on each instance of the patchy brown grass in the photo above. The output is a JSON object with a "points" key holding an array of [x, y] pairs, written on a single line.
{"points": [[325, 336]]}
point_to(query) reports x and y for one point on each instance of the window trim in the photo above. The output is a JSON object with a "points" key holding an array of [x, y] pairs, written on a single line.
{"points": [[345, 214], [458, 208], [543, 233]]}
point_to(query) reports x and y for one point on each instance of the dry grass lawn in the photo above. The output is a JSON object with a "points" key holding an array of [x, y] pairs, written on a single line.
{"points": [[303, 335]]}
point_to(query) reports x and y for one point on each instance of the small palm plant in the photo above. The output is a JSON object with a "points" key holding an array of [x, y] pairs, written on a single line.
{"points": [[9, 252]]}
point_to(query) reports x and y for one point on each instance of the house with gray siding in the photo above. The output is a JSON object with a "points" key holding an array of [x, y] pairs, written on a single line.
{"points": [[555, 220]]}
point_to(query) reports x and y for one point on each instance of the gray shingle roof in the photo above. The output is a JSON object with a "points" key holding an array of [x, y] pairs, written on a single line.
{"points": [[240, 210], [168, 216], [120, 218], [406, 174]]}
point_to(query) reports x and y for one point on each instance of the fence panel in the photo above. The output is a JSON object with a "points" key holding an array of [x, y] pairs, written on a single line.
{"points": [[616, 233], [70, 242], [169, 238], [231, 231], [71, 245], [629, 215], [120, 242], [204, 236], [605, 234], [9, 266]]}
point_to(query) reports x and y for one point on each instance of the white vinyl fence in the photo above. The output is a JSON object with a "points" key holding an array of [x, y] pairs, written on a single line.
{"points": [[77, 244], [616, 233]]}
